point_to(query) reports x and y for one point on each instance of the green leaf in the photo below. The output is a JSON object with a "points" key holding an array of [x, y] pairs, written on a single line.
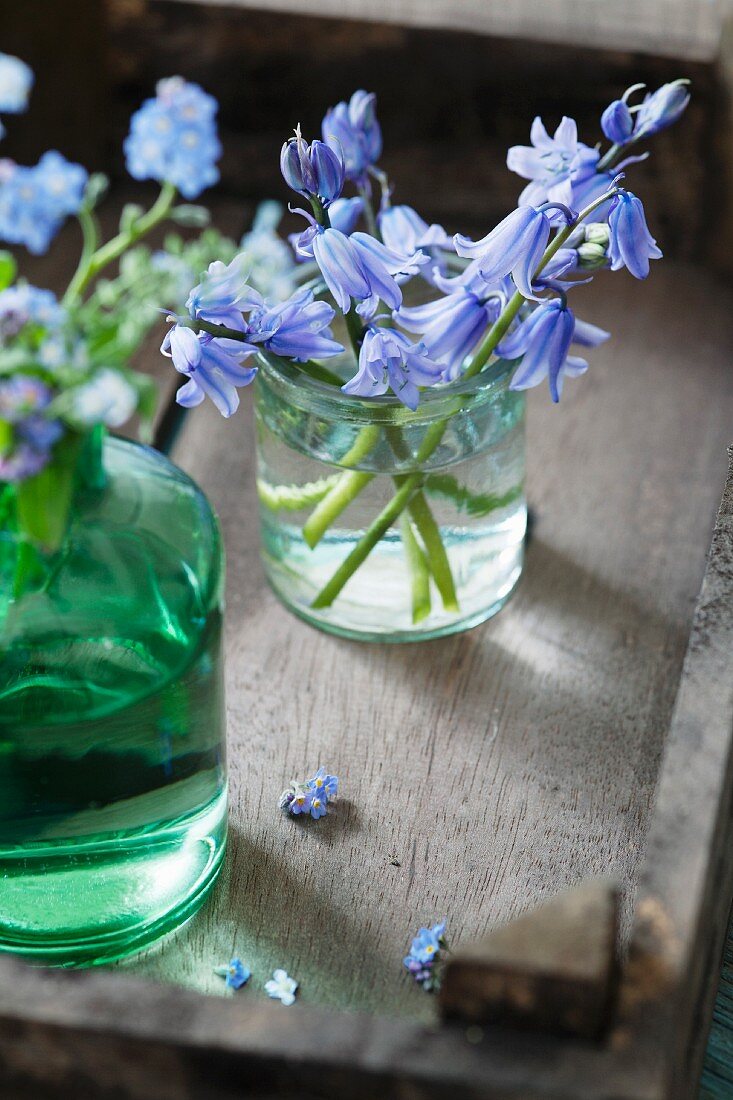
{"points": [[8, 269]]}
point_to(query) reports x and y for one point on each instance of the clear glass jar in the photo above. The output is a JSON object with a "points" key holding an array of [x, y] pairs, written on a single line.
{"points": [[329, 465], [112, 735]]}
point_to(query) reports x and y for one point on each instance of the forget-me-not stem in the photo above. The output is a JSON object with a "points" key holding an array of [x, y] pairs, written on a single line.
{"points": [[414, 482], [91, 263]]}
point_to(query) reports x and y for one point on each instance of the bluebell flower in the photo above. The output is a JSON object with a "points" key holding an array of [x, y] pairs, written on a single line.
{"points": [[297, 328], [362, 268], [343, 216], [543, 340], [224, 294], [22, 304], [35, 201], [661, 109], [173, 138], [451, 327], [630, 245], [550, 161], [16, 81], [387, 360], [273, 271], [353, 129], [515, 247], [617, 122], [236, 973], [107, 398], [315, 170], [213, 365], [403, 229]]}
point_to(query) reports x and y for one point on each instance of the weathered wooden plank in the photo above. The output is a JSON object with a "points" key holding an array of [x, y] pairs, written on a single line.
{"points": [[553, 968], [687, 873], [674, 28], [501, 766]]}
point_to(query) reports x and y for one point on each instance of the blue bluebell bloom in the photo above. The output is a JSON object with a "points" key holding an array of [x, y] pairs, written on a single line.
{"points": [[343, 215], [403, 229], [451, 327], [353, 129], [543, 341], [16, 81], [630, 245], [35, 201], [515, 247], [173, 138], [387, 360], [550, 161], [617, 122], [213, 365], [661, 109], [297, 328], [362, 268], [223, 294], [315, 170]]}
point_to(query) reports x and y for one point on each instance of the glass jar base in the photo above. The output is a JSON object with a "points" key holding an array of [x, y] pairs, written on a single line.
{"points": [[108, 897]]}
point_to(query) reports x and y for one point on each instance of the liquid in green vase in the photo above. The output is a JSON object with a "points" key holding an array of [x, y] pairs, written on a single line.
{"points": [[112, 760]]}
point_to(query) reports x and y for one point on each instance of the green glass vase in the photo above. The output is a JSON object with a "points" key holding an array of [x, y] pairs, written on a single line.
{"points": [[112, 734]]}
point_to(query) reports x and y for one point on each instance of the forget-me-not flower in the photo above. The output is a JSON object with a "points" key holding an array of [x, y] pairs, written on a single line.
{"points": [[324, 784], [16, 81], [23, 401], [353, 129], [311, 797], [543, 341], [34, 201], [387, 360], [107, 398], [424, 952], [549, 161], [281, 987], [235, 973], [630, 245], [315, 170], [22, 304], [173, 138]]}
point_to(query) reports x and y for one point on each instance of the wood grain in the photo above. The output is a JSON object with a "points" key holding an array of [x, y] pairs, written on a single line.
{"points": [[494, 768], [676, 28]]}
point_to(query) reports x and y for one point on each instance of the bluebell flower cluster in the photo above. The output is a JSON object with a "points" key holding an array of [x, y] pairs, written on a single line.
{"points": [[622, 124], [297, 329], [35, 201], [28, 432], [173, 138], [16, 81], [424, 954], [312, 797]]}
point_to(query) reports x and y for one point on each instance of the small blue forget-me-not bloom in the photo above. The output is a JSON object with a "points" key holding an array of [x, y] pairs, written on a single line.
{"points": [[173, 138], [236, 973], [35, 201]]}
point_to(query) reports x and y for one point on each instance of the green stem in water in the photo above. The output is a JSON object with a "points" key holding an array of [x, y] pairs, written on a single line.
{"points": [[92, 264], [376, 531], [418, 569], [437, 430], [348, 486]]}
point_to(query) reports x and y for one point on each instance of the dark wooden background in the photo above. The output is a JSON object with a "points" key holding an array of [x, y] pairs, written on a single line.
{"points": [[450, 103]]}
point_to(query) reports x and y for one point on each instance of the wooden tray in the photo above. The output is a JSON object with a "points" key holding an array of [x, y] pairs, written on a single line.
{"points": [[480, 774]]}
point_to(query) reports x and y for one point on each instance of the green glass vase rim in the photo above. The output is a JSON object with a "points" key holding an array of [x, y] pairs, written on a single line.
{"points": [[300, 390]]}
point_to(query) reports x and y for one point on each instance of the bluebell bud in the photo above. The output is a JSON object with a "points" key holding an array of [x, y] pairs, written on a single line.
{"points": [[662, 108], [315, 170], [617, 122]]}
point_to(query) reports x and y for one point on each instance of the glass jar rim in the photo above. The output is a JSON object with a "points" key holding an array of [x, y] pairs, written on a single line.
{"points": [[302, 391]]}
